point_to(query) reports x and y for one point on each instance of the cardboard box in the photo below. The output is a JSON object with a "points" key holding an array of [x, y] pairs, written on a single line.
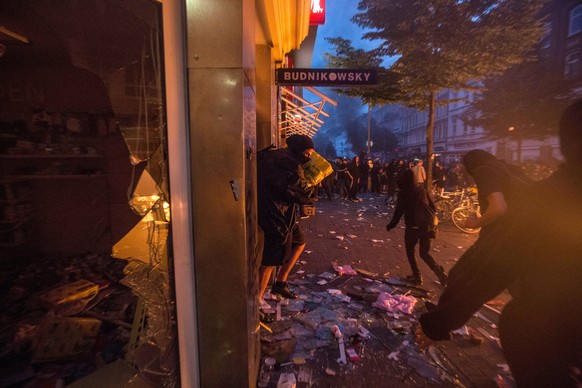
{"points": [[65, 338]]}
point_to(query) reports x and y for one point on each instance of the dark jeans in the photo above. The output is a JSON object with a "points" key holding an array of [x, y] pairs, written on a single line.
{"points": [[363, 186], [342, 188], [411, 237], [353, 192], [326, 185]]}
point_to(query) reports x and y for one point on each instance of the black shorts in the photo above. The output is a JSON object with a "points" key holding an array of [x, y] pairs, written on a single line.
{"points": [[276, 251]]}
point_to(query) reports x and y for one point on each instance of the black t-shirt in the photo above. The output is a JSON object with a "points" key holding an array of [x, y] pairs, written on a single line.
{"points": [[490, 179], [495, 177]]}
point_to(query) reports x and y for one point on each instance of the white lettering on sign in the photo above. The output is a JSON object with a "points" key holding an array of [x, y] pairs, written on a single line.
{"points": [[305, 76], [316, 6], [312, 76]]}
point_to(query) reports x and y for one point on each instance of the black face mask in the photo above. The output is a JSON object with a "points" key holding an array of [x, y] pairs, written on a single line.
{"points": [[303, 158]]}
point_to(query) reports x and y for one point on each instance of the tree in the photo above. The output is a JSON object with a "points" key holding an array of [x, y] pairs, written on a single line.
{"points": [[525, 102], [441, 44], [386, 91]]}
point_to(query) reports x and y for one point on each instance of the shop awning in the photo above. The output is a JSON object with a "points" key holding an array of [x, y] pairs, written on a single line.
{"points": [[285, 24], [299, 116]]}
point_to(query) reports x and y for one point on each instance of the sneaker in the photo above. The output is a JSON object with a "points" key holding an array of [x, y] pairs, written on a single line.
{"points": [[281, 288], [442, 276], [414, 279]]}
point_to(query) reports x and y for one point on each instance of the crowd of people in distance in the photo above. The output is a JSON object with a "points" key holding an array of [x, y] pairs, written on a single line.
{"points": [[361, 174]]}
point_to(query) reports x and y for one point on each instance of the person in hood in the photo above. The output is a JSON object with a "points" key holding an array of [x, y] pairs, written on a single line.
{"points": [[282, 187], [409, 198], [537, 253]]}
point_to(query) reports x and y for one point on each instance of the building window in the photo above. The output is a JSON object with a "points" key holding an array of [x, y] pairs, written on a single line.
{"points": [[572, 69], [575, 20]]}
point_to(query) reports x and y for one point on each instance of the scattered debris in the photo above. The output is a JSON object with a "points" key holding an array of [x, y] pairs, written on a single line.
{"points": [[63, 318], [287, 380], [350, 313], [330, 372], [395, 303], [344, 269], [490, 337]]}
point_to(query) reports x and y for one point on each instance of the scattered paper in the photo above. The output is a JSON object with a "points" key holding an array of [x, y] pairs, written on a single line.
{"points": [[330, 372], [395, 303], [287, 380], [344, 269]]}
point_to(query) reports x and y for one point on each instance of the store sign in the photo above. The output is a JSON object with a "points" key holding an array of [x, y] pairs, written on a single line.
{"points": [[317, 16], [326, 77]]}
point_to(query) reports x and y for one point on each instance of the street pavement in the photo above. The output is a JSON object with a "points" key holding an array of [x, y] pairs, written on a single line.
{"points": [[381, 342]]}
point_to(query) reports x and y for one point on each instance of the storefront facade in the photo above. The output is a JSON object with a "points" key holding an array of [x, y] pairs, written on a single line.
{"points": [[146, 117]]}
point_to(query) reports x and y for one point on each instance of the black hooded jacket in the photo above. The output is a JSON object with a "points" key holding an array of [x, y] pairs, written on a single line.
{"points": [[281, 187], [538, 253], [493, 175]]}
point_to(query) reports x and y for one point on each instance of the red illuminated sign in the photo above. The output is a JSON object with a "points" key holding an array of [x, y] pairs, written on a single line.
{"points": [[317, 12]]}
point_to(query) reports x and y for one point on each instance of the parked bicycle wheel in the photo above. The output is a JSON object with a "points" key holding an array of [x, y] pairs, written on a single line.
{"points": [[444, 209], [459, 216]]}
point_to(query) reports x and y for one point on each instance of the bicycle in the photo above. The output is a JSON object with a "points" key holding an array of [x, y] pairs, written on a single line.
{"points": [[446, 202], [469, 207], [444, 209]]}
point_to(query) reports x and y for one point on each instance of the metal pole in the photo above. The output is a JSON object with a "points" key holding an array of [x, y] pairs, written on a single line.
{"points": [[369, 137], [174, 14]]}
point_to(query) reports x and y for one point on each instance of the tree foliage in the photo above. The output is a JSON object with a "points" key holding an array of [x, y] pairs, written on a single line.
{"points": [[440, 44], [528, 97], [449, 43], [347, 57]]}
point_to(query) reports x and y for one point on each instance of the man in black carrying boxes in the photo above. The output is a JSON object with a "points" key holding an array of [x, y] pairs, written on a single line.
{"points": [[283, 186]]}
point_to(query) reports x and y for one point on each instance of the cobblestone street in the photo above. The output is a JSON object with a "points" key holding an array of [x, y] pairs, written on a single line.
{"points": [[379, 345]]}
